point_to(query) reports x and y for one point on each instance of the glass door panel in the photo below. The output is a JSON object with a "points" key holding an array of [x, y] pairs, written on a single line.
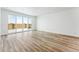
{"points": [[11, 23], [25, 23], [30, 23], [18, 24]]}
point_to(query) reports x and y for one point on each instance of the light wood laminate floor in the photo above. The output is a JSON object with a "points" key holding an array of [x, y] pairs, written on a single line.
{"points": [[38, 41]]}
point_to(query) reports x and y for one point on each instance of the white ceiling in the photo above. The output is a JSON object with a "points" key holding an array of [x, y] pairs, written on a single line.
{"points": [[36, 11]]}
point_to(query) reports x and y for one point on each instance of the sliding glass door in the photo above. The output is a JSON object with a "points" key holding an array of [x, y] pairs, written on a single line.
{"points": [[11, 23], [30, 23], [25, 23], [19, 23]]}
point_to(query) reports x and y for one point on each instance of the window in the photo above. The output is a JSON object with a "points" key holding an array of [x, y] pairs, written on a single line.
{"points": [[25, 23], [30, 23], [11, 23], [19, 23]]}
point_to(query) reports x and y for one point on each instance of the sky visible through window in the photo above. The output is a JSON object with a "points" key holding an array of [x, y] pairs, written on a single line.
{"points": [[11, 19], [18, 19]]}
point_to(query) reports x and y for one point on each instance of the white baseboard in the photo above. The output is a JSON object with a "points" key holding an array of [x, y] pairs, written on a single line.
{"points": [[75, 35]]}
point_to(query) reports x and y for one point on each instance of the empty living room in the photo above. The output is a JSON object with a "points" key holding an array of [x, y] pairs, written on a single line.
{"points": [[39, 29]]}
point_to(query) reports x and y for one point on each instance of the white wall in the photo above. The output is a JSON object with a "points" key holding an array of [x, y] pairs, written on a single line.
{"points": [[64, 22], [4, 21], [0, 21], [34, 23], [76, 15]]}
